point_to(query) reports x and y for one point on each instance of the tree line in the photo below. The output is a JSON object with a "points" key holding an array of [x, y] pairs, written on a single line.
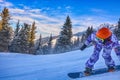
{"points": [[22, 39]]}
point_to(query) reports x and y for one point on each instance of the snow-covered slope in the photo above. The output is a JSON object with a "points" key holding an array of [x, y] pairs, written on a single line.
{"points": [[14, 66]]}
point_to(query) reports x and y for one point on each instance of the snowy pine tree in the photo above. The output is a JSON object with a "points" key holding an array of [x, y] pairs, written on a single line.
{"points": [[50, 44], [77, 42], [86, 34], [117, 30], [32, 34], [20, 43], [31, 39], [45, 49], [64, 40], [83, 38], [89, 31], [0, 25], [5, 30], [39, 48], [17, 28]]}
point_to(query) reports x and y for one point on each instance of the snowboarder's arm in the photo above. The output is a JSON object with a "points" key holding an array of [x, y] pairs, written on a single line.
{"points": [[89, 39], [87, 42], [116, 45]]}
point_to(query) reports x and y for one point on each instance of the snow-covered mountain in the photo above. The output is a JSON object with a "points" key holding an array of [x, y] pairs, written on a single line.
{"points": [[16, 66]]}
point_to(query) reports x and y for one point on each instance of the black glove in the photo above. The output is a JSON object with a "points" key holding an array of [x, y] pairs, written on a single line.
{"points": [[83, 47]]}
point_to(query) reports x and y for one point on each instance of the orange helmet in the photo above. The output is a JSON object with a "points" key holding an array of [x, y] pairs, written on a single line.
{"points": [[103, 33]]}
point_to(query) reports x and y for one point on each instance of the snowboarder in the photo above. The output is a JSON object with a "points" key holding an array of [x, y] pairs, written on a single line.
{"points": [[102, 39]]}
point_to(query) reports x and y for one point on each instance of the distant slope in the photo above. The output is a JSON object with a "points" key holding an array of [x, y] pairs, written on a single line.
{"points": [[79, 33]]}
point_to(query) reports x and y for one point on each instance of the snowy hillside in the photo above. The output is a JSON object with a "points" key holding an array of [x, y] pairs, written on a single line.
{"points": [[14, 66]]}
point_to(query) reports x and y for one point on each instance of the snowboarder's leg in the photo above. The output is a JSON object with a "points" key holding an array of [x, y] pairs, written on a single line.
{"points": [[93, 59], [108, 59], [117, 51]]}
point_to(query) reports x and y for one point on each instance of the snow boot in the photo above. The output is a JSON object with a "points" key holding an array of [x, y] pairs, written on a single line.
{"points": [[87, 71], [111, 69]]}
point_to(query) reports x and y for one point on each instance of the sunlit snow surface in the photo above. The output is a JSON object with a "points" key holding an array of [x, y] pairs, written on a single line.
{"points": [[15, 66]]}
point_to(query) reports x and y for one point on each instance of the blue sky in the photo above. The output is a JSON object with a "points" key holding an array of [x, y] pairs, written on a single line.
{"points": [[50, 15]]}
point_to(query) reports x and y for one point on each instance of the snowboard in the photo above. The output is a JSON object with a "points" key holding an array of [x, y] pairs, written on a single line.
{"points": [[74, 75]]}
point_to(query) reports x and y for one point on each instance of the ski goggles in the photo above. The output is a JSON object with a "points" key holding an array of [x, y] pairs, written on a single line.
{"points": [[99, 39]]}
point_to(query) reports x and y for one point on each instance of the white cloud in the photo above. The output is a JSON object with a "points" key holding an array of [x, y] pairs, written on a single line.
{"points": [[80, 23], [5, 4], [47, 25], [35, 10], [23, 19], [16, 11], [68, 7], [97, 10], [1, 0], [43, 17]]}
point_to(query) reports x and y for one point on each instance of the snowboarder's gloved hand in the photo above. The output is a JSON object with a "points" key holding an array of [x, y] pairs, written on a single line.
{"points": [[83, 47]]}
